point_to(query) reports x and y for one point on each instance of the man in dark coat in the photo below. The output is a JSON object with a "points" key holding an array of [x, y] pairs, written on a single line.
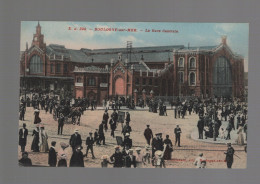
{"points": [[25, 161], [127, 141], [75, 140], [127, 119], [60, 124], [113, 127], [200, 126], [117, 158], [90, 142], [114, 116], [229, 128], [52, 155], [148, 134], [22, 112], [229, 155], [77, 158], [130, 159], [105, 119], [96, 137], [177, 132], [126, 129], [23, 132], [101, 133], [157, 143]]}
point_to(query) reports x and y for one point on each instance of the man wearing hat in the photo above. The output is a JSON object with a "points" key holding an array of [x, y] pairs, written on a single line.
{"points": [[75, 140], [23, 132], [52, 155], [177, 132], [101, 133], [127, 129], [148, 134], [127, 119], [105, 119], [60, 124], [117, 158], [127, 141], [90, 142], [77, 158], [200, 126], [157, 143], [96, 137], [229, 155]]}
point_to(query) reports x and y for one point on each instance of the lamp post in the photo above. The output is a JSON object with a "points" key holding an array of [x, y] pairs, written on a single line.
{"points": [[24, 85]]}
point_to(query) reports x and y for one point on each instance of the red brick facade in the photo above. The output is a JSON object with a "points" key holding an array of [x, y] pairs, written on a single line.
{"points": [[158, 73]]}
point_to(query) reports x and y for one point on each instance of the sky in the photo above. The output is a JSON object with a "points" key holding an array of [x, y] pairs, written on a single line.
{"points": [[192, 34]]}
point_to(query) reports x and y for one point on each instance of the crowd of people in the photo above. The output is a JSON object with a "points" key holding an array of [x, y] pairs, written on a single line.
{"points": [[212, 113]]}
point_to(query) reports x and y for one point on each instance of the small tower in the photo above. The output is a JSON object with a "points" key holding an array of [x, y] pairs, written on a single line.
{"points": [[38, 38]]}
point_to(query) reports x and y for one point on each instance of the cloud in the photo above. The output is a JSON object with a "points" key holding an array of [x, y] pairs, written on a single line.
{"points": [[225, 28]]}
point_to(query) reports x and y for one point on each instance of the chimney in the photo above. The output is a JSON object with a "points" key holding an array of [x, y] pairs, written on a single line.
{"points": [[224, 40], [26, 45]]}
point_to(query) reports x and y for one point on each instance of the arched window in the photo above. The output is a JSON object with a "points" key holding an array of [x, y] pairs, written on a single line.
{"points": [[192, 79], [181, 62], [181, 77], [36, 64], [192, 62]]}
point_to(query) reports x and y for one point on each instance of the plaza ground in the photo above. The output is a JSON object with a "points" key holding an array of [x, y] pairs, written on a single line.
{"points": [[182, 157]]}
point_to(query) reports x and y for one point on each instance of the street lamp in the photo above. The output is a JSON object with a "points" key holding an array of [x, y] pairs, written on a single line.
{"points": [[26, 70]]}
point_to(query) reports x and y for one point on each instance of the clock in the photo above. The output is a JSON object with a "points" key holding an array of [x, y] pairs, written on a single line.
{"points": [[35, 38]]}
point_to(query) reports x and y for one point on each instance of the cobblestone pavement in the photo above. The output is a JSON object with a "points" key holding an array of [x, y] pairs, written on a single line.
{"points": [[182, 157]]}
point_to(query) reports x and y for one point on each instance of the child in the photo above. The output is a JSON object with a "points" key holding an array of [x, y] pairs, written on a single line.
{"points": [[105, 161], [147, 154]]}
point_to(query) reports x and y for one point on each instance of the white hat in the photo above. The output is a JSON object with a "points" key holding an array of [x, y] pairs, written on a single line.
{"points": [[158, 152], [76, 130], [138, 149], [127, 134]]}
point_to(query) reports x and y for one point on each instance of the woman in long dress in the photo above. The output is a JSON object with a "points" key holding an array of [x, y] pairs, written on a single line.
{"points": [[43, 140], [240, 138], [168, 149], [35, 142], [62, 155]]}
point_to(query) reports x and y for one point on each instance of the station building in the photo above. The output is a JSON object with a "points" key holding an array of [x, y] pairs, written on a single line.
{"points": [[140, 72]]}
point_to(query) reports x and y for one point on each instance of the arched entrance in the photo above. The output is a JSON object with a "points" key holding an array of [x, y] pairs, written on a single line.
{"points": [[92, 95], [222, 78], [119, 86]]}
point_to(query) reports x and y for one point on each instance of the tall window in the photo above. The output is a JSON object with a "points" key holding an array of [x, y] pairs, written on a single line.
{"points": [[52, 68], [36, 64], [58, 68], [181, 62], [137, 81], [192, 79], [192, 62], [150, 82], [144, 81], [92, 81], [65, 68], [181, 77]]}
